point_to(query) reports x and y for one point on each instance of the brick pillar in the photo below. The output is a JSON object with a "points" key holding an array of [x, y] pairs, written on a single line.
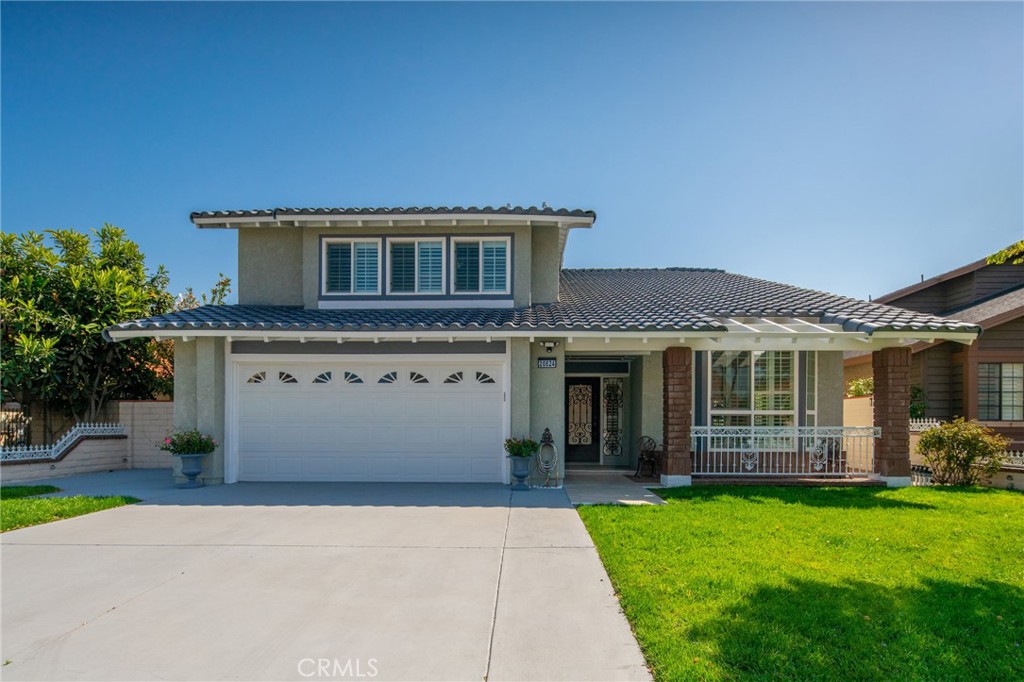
{"points": [[891, 368], [677, 395]]}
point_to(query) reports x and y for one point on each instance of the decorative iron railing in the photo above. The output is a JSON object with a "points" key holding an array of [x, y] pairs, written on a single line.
{"points": [[918, 425], [784, 450], [55, 451]]}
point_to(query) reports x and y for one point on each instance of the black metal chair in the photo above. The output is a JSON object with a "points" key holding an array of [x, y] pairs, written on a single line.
{"points": [[647, 454]]}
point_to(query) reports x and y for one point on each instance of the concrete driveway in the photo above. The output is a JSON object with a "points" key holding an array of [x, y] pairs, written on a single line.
{"points": [[313, 581]]}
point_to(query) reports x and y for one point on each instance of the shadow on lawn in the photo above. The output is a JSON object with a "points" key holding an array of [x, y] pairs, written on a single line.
{"points": [[860, 631], [842, 498]]}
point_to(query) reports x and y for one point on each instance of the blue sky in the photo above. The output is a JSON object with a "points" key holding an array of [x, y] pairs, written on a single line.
{"points": [[849, 147]]}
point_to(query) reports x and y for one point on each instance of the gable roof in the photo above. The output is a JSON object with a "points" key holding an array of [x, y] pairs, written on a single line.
{"points": [[399, 211], [993, 310], [668, 299]]}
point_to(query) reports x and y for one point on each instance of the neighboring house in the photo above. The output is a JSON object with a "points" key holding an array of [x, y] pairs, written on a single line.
{"points": [[982, 381], [404, 344]]}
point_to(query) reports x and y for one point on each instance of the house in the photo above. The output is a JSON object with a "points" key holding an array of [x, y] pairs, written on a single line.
{"points": [[983, 381], [404, 344]]}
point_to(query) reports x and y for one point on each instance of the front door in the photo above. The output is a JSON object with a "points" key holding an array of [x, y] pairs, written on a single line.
{"points": [[582, 420]]}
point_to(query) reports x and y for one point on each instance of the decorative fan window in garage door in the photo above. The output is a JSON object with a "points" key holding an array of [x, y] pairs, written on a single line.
{"points": [[257, 378]]}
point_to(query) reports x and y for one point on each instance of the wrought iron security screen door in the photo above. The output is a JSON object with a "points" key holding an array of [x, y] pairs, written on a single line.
{"points": [[582, 420]]}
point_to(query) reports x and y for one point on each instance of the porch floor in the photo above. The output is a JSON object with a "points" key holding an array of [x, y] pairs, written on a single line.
{"points": [[607, 486]]}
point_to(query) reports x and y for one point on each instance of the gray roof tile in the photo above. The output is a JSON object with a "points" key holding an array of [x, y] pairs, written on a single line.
{"points": [[402, 210], [671, 299]]}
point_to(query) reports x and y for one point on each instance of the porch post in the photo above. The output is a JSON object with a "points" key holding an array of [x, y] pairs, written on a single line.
{"points": [[891, 369], [677, 395]]}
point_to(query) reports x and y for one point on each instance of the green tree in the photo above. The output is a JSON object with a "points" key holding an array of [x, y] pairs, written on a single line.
{"points": [[1013, 254], [61, 289]]}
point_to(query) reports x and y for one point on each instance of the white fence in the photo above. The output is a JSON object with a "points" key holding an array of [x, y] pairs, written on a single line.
{"points": [[53, 452], [784, 450]]}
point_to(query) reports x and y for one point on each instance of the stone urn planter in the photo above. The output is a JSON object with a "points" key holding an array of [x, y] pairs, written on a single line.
{"points": [[520, 471], [191, 467]]}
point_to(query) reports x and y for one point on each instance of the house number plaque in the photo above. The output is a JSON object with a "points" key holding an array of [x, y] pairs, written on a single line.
{"points": [[547, 363]]}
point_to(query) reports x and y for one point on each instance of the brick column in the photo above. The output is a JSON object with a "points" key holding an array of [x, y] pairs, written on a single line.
{"points": [[677, 395], [891, 368]]}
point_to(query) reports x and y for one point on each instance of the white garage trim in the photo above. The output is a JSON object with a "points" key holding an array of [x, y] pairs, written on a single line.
{"points": [[237, 363]]}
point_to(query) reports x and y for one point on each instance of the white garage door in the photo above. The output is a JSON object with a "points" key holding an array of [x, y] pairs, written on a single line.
{"points": [[385, 421]]}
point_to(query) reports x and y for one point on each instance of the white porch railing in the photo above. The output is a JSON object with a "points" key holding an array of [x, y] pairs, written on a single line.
{"points": [[50, 452], [784, 450]]}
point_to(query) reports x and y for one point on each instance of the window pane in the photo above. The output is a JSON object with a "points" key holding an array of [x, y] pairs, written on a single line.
{"points": [[339, 268], [1013, 391], [366, 256], [467, 266], [730, 420], [730, 380], [403, 268], [494, 265], [430, 257], [773, 380], [988, 391], [773, 420]]}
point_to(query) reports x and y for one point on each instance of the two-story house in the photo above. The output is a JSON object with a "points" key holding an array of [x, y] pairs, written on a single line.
{"points": [[983, 381], [404, 344]]}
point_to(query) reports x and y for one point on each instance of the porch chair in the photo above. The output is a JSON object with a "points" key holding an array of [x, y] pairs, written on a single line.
{"points": [[647, 453]]}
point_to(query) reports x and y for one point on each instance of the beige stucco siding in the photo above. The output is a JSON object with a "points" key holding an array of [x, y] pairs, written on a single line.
{"points": [[199, 375], [830, 388], [651, 397], [270, 266]]}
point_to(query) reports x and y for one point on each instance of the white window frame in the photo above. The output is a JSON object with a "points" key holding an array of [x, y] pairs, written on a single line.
{"points": [[751, 412], [480, 282], [351, 241], [417, 241]]}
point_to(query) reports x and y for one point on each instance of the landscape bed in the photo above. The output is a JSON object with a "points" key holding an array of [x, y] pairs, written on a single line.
{"points": [[744, 583]]}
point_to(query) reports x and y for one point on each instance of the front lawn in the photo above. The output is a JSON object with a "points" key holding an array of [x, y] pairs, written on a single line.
{"points": [[19, 509], [764, 583]]}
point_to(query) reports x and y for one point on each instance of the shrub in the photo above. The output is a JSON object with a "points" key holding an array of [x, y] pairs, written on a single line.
{"points": [[860, 387], [521, 447], [918, 403], [962, 452], [188, 443]]}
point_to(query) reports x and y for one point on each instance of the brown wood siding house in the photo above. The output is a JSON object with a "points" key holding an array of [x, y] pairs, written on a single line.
{"points": [[983, 381]]}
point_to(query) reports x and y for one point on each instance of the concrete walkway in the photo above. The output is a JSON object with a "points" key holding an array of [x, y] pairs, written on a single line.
{"points": [[607, 487], [277, 581]]}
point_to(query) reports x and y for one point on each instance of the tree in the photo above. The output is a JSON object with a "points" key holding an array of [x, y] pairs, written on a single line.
{"points": [[61, 290], [1014, 254]]}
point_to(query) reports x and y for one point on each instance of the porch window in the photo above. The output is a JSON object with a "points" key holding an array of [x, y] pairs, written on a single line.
{"points": [[1000, 391], [416, 267], [481, 266], [753, 388], [351, 267]]}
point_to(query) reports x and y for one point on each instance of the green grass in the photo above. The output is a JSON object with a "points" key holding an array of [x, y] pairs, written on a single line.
{"points": [[19, 509], [737, 583]]}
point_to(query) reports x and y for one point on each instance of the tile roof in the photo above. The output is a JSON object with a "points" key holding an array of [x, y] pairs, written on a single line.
{"points": [[508, 209], [671, 299]]}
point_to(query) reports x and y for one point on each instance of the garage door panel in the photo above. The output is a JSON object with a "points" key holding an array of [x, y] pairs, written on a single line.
{"points": [[328, 426]]}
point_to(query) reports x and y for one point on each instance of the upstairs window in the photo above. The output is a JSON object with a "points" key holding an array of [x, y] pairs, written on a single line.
{"points": [[481, 266], [351, 266], [416, 267], [1000, 391]]}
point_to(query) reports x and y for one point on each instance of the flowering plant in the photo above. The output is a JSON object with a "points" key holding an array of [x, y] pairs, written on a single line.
{"points": [[188, 443], [521, 447]]}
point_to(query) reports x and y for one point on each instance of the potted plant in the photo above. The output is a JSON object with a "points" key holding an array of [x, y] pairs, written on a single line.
{"points": [[520, 453], [190, 446]]}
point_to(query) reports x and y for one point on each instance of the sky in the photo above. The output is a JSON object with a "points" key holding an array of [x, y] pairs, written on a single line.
{"points": [[848, 147]]}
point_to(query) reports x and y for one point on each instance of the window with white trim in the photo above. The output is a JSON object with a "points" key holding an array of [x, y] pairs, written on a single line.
{"points": [[481, 266], [351, 266], [1000, 391], [416, 266], [753, 388]]}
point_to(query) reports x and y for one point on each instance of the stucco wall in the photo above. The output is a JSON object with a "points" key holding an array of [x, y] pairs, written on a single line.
{"points": [[651, 398], [522, 252], [830, 388], [270, 266], [547, 396], [147, 422], [546, 264], [857, 412], [89, 456], [199, 398]]}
